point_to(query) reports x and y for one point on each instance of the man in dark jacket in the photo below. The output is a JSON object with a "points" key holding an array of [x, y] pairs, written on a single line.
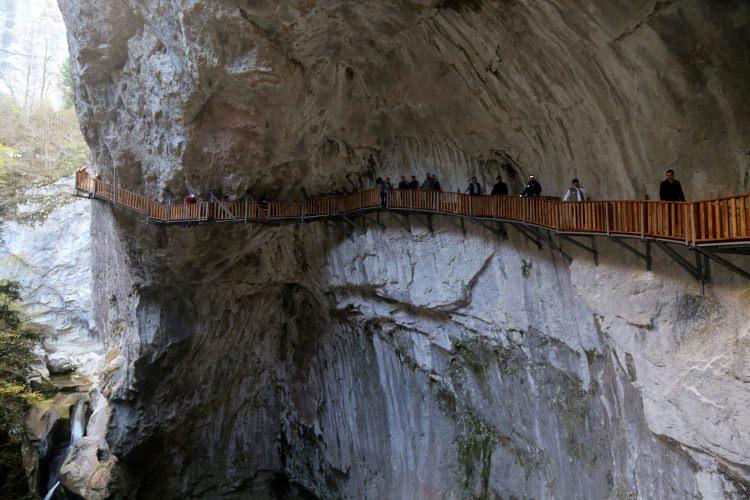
{"points": [[435, 183], [500, 187], [533, 188], [414, 183], [670, 189], [474, 189], [403, 184]]}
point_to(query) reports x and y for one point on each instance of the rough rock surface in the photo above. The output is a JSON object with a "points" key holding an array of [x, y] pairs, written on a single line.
{"points": [[51, 259], [401, 363]]}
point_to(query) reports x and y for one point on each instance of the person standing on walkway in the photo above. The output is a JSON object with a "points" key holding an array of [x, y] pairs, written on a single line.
{"points": [[428, 184], [383, 189], [436, 183], [403, 184], [575, 192], [670, 188], [533, 188], [413, 183], [474, 189], [500, 188]]}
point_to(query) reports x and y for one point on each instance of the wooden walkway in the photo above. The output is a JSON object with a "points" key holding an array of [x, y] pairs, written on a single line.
{"points": [[722, 220], [721, 224]]}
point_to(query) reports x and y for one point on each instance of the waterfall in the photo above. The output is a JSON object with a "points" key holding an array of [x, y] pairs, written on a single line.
{"points": [[77, 425], [51, 492], [77, 429]]}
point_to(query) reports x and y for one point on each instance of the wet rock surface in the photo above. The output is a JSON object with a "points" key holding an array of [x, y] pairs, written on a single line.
{"points": [[402, 362]]}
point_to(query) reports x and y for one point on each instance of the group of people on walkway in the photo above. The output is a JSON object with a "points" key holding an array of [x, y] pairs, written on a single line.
{"points": [[669, 189]]}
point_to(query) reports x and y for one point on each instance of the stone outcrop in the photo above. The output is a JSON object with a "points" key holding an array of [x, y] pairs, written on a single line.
{"points": [[402, 362], [50, 257]]}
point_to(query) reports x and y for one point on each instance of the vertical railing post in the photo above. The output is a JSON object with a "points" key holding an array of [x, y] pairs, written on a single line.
{"points": [[302, 210], [245, 209], [471, 207], [685, 226], [114, 185], [606, 216], [557, 215], [411, 199], [643, 219], [693, 222]]}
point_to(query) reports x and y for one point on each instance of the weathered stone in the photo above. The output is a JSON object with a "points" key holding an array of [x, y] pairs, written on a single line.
{"points": [[59, 363], [409, 363]]}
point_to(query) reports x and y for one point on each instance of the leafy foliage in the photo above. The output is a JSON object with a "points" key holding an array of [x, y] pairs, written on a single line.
{"points": [[38, 147], [18, 339], [66, 83]]}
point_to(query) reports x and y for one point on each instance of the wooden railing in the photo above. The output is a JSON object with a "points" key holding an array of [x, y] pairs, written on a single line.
{"points": [[693, 223]]}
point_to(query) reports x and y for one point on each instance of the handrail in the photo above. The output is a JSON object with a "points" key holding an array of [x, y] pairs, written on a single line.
{"points": [[693, 223]]}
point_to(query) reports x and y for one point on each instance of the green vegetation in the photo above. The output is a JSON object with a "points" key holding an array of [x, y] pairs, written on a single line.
{"points": [[66, 83], [526, 268], [475, 354], [480, 355], [573, 403], [475, 447], [39, 145], [18, 339]]}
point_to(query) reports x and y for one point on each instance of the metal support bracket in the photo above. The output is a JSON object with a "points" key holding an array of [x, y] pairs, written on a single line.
{"points": [[397, 216], [695, 271], [723, 262], [223, 207], [362, 229], [458, 225], [524, 232], [645, 256], [577, 243], [499, 232], [544, 235], [427, 224]]}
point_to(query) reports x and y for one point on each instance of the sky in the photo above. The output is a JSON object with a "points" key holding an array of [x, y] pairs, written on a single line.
{"points": [[32, 49]]}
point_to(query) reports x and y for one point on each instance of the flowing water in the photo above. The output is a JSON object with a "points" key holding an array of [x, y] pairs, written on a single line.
{"points": [[77, 428]]}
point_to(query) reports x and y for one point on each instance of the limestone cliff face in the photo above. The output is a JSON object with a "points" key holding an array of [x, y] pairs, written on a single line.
{"points": [[51, 259], [399, 362]]}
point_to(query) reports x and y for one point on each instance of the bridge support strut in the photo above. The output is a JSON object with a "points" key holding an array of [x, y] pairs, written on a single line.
{"points": [[569, 238], [723, 262], [696, 271], [645, 256], [524, 232]]}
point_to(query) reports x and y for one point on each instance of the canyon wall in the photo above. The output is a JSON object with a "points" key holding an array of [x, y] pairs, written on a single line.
{"points": [[50, 256], [391, 359]]}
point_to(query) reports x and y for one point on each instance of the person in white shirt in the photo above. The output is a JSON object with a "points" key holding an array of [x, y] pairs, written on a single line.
{"points": [[575, 192]]}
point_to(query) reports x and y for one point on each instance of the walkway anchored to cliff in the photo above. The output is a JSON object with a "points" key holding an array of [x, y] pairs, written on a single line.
{"points": [[708, 227]]}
